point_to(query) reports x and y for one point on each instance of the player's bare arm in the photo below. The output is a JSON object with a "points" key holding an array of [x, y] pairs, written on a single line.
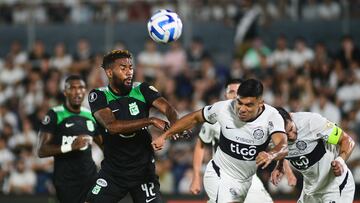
{"points": [[107, 119], [99, 141], [279, 151], [46, 148], [283, 167], [346, 144], [164, 107], [198, 157], [185, 123]]}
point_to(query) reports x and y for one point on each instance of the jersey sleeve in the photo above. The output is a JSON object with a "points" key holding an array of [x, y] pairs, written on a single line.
{"points": [[276, 123], [150, 93], [211, 113], [205, 134], [97, 100], [325, 129], [48, 123]]}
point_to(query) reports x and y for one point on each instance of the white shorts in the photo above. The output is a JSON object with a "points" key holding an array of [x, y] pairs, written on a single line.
{"points": [[221, 188], [346, 195], [257, 192]]}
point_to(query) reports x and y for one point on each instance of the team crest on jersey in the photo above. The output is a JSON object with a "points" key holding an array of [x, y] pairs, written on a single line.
{"points": [[92, 96], [90, 125], [301, 145], [258, 134], [134, 109], [46, 120], [234, 192]]}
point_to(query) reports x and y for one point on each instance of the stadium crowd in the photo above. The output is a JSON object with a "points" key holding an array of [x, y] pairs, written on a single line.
{"points": [[296, 75]]}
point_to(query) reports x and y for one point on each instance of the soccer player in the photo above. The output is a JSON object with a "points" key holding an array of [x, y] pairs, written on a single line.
{"points": [[66, 133], [247, 124], [318, 149], [122, 110], [210, 134]]}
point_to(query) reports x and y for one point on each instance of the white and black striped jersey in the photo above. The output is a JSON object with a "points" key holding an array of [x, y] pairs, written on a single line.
{"points": [[311, 154], [240, 142]]}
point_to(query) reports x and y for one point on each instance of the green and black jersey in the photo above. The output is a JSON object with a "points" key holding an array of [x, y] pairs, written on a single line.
{"points": [[74, 167], [129, 156]]}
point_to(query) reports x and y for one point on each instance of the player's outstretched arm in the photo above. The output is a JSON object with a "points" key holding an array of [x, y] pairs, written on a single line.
{"points": [[198, 157], [107, 119], [291, 178], [185, 123], [346, 144], [164, 107], [279, 151], [46, 148]]}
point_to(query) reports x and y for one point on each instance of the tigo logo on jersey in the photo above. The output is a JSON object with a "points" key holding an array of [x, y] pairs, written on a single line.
{"points": [[134, 109]]}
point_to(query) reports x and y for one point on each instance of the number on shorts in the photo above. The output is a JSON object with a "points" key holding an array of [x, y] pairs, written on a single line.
{"points": [[148, 190]]}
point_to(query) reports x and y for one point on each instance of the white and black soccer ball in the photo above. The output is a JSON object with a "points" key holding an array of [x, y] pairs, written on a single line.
{"points": [[165, 26]]}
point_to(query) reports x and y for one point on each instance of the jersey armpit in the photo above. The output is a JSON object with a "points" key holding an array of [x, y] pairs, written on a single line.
{"points": [[97, 100], [48, 124], [150, 93]]}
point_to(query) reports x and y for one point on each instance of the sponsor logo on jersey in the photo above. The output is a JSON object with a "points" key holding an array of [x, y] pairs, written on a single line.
{"points": [[90, 125], [271, 125], [247, 153], [301, 163], [134, 109], [46, 120], [101, 182], [68, 125], [92, 96], [258, 134], [301, 145]]}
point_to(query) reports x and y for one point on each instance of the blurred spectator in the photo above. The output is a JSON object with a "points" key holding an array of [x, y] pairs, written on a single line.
{"points": [[22, 180], [348, 52], [80, 13], [175, 60], [255, 57], [82, 58], [26, 138], [149, 61], [301, 53], [280, 57], [196, 52], [61, 60], [38, 54], [326, 108], [11, 74], [18, 54], [329, 10], [310, 10], [6, 156], [57, 12]]}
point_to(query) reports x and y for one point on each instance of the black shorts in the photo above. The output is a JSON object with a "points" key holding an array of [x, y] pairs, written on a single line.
{"points": [[107, 190], [73, 193]]}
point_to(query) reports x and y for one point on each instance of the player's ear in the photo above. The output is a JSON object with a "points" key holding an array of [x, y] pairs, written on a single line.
{"points": [[109, 73]]}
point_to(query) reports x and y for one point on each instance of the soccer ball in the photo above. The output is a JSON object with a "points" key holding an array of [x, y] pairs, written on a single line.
{"points": [[164, 26]]}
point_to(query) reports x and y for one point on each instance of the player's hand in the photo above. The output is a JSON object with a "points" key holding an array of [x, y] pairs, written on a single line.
{"points": [[80, 143], [276, 176], [337, 168], [195, 186], [264, 159], [158, 143], [160, 124]]}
